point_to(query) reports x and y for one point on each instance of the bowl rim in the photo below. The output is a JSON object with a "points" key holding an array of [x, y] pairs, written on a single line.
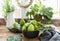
{"points": [[31, 31]]}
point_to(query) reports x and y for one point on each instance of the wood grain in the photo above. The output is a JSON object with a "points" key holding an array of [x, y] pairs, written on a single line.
{"points": [[4, 33]]}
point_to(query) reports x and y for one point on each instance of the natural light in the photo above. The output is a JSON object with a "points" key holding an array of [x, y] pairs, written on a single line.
{"points": [[55, 4]]}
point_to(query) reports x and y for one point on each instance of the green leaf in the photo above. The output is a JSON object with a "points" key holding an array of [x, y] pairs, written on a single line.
{"points": [[8, 8], [14, 38]]}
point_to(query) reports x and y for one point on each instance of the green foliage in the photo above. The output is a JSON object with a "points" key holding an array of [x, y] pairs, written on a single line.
{"points": [[14, 38], [8, 8], [32, 12], [39, 10], [46, 13]]}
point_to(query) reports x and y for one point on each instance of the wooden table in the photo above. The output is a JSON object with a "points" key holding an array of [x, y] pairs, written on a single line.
{"points": [[25, 39], [4, 33]]}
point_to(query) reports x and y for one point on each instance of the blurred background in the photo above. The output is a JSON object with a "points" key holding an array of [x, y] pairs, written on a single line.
{"points": [[55, 4]]}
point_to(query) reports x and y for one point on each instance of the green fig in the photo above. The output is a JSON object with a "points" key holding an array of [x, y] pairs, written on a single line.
{"points": [[27, 24], [31, 27], [34, 22], [24, 28], [15, 25], [22, 22]]}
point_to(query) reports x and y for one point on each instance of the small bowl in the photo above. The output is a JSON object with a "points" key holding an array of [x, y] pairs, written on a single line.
{"points": [[30, 34], [15, 30]]}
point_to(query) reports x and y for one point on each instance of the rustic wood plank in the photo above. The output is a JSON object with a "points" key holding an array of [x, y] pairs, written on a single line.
{"points": [[4, 33]]}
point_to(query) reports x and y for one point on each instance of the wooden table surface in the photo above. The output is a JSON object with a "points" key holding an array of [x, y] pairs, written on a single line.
{"points": [[4, 33]]}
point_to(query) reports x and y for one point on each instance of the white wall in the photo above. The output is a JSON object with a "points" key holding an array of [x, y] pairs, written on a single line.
{"points": [[59, 5], [17, 13]]}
